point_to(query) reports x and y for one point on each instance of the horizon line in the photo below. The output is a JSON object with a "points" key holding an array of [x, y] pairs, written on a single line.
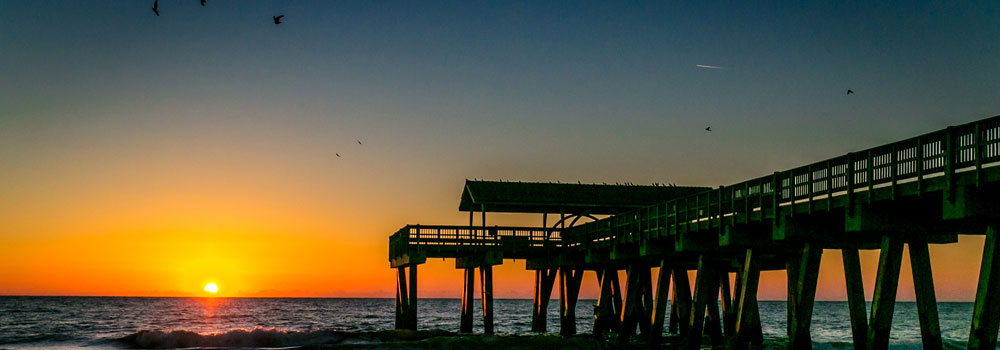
{"points": [[388, 298]]}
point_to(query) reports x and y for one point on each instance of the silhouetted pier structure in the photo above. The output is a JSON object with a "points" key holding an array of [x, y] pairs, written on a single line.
{"points": [[924, 190]]}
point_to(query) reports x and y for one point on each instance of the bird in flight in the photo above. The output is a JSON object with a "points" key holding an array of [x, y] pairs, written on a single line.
{"points": [[202, 3], [338, 155], [359, 142], [156, 7], [277, 19], [849, 91], [709, 129]]}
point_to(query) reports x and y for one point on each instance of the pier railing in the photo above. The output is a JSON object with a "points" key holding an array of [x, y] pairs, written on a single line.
{"points": [[471, 237], [967, 148]]}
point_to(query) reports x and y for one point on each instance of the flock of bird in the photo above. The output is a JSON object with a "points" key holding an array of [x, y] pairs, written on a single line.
{"points": [[156, 10]]}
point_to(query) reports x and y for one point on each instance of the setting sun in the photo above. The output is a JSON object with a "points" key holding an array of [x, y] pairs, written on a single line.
{"points": [[211, 288]]}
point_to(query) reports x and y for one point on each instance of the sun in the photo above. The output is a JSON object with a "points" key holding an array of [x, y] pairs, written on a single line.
{"points": [[211, 288]]}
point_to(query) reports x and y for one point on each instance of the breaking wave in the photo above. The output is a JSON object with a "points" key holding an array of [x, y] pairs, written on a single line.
{"points": [[237, 338]]}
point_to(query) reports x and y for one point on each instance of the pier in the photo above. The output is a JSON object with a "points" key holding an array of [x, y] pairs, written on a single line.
{"points": [[923, 190]]}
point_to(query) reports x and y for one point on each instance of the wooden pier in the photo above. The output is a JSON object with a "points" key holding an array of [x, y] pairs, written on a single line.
{"points": [[920, 191]]}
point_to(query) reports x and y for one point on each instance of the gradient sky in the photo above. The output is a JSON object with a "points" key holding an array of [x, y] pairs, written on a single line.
{"points": [[144, 155]]}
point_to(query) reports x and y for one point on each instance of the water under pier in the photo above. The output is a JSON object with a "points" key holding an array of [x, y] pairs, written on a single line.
{"points": [[920, 191]]}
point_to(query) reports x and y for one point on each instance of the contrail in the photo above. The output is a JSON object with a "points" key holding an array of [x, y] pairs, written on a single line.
{"points": [[709, 67]]}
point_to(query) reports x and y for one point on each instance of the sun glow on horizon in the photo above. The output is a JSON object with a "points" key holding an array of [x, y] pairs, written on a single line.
{"points": [[211, 288]]}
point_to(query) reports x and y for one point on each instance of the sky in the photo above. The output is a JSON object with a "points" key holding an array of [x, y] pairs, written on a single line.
{"points": [[148, 155]]}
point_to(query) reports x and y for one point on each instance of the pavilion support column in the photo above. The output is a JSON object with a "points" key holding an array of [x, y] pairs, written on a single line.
{"points": [[855, 297], [706, 284], [486, 279], [682, 297], [659, 304], [801, 307], [544, 280], [923, 286], [884, 299], [745, 329], [569, 291], [986, 313], [468, 289], [605, 316]]}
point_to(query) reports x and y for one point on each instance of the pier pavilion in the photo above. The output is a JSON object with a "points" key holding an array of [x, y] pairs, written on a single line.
{"points": [[923, 190]]}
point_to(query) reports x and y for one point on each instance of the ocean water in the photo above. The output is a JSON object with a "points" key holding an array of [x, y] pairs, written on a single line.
{"points": [[116, 323]]}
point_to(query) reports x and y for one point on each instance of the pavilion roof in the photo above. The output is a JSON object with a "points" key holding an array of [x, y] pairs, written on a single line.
{"points": [[541, 197]]}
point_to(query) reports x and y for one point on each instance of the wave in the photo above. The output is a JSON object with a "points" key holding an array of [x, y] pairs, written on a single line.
{"points": [[36, 338], [237, 338]]}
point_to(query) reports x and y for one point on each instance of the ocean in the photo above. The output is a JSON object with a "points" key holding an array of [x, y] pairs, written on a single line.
{"points": [[120, 322]]}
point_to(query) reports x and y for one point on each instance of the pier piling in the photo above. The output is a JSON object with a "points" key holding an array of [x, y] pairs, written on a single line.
{"points": [[884, 299], [855, 297], [544, 281], [986, 313], [468, 288], [569, 291]]}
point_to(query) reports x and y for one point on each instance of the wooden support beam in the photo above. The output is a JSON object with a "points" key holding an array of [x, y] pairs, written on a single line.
{"points": [[728, 313], [713, 321], [746, 307], [605, 317], [630, 312], [682, 296], [923, 286], [986, 313], [544, 281], [646, 307], [706, 288], [791, 276], [672, 323], [757, 329], [659, 304], [402, 301], [805, 295], [884, 300], [569, 291], [411, 319], [616, 296], [468, 287], [486, 286], [536, 300], [855, 297]]}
